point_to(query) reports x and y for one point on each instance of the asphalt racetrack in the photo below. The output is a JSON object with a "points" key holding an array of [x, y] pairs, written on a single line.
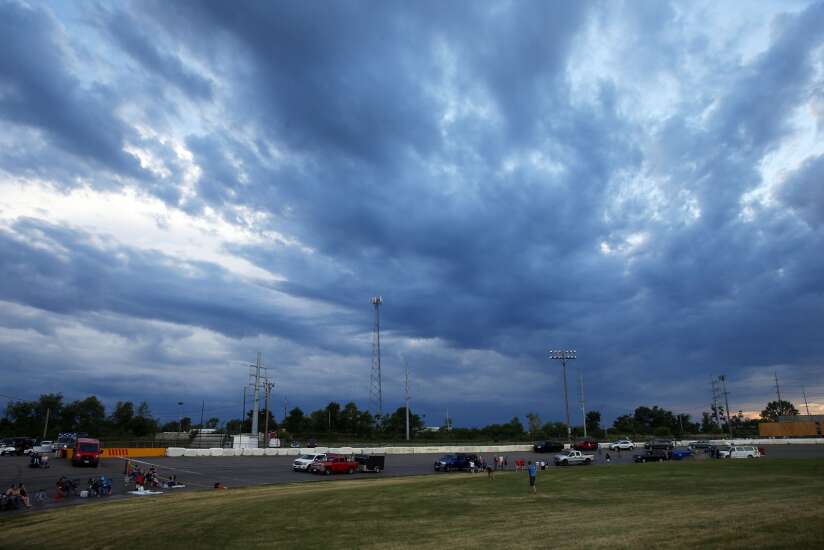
{"points": [[203, 472]]}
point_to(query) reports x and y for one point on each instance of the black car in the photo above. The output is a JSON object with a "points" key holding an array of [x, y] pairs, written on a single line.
{"points": [[459, 461], [548, 447], [654, 455]]}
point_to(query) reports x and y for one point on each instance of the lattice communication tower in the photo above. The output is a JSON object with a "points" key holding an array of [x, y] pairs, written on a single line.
{"points": [[375, 390]]}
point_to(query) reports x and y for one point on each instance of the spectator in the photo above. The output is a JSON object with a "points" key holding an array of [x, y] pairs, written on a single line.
{"points": [[532, 470], [23, 495]]}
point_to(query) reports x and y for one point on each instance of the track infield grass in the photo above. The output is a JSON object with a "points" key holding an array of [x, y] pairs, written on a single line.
{"points": [[703, 503]]}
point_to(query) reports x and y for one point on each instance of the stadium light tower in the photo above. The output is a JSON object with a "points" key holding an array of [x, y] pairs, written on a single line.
{"points": [[564, 355]]}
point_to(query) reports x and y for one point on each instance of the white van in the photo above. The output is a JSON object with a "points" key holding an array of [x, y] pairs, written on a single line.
{"points": [[743, 452]]}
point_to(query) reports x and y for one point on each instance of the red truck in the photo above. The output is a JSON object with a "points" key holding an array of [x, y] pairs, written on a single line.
{"points": [[335, 465], [86, 451]]}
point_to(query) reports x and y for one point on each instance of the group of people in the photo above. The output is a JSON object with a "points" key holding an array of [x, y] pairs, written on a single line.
{"points": [[148, 479], [99, 486], [39, 460], [14, 496]]}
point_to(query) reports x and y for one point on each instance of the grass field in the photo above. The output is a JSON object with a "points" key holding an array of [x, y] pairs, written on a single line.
{"points": [[702, 504]]}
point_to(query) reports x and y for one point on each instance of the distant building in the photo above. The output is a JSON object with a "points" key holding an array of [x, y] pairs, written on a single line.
{"points": [[793, 426]]}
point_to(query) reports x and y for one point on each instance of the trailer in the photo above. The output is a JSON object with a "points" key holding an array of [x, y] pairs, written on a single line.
{"points": [[370, 463]]}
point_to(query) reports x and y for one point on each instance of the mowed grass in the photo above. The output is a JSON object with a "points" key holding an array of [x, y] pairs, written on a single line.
{"points": [[707, 504]]}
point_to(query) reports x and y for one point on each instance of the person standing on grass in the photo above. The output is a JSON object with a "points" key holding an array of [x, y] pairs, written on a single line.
{"points": [[532, 470]]}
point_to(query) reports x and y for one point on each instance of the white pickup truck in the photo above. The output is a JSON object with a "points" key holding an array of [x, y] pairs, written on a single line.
{"points": [[303, 462], [571, 456]]}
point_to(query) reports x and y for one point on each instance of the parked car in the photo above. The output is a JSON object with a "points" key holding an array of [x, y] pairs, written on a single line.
{"points": [[585, 445], [87, 451], [622, 445], [744, 451], [720, 451], [666, 444], [548, 447], [680, 454], [7, 447], [44, 447], [652, 455], [334, 464], [302, 463], [459, 461], [700, 445], [22, 445], [572, 456]]}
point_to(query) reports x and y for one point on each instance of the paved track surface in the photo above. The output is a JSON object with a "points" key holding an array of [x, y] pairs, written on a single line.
{"points": [[204, 472]]}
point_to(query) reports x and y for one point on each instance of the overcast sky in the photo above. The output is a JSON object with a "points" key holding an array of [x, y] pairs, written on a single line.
{"points": [[184, 184]]}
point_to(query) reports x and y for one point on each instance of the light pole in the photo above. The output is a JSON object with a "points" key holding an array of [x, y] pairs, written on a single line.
{"points": [[563, 356], [180, 416]]}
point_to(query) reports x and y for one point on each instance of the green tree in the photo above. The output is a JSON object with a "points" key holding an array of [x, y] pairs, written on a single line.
{"points": [[122, 415], [213, 422], [533, 421], [394, 425], [625, 424], [295, 422], [708, 425], [554, 429], [86, 415], [775, 409], [593, 422]]}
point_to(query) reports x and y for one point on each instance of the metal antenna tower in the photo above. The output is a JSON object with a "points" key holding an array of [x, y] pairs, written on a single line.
{"points": [[777, 389], [715, 400], [375, 388], [723, 379]]}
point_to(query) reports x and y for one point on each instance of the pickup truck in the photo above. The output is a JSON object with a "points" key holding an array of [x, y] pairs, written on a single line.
{"points": [[571, 456], [303, 462], [334, 465]]}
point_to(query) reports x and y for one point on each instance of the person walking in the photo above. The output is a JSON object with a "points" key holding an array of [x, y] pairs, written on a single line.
{"points": [[532, 470]]}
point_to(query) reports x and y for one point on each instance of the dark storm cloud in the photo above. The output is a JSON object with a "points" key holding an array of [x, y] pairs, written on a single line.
{"points": [[126, 32], [38, 91], [804, 191], [63, 271], [437, 154]]}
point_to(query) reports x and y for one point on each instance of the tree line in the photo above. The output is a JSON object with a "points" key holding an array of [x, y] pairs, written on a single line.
{"points": [[50, 413]]}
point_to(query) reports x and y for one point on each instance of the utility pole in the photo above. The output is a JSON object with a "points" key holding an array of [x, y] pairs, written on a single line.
{"points": [[285, 406], [723, 379], [48, 412], [256, 402], [804, 393], [202, 408], [583, 408], [243, 412], [180, 416], [268, 387], [406, 392], [777, 390], [563, 356]]}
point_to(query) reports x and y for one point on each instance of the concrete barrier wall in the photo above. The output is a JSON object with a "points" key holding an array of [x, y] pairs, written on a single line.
{"points": [[124, 452], [287, 451]]}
